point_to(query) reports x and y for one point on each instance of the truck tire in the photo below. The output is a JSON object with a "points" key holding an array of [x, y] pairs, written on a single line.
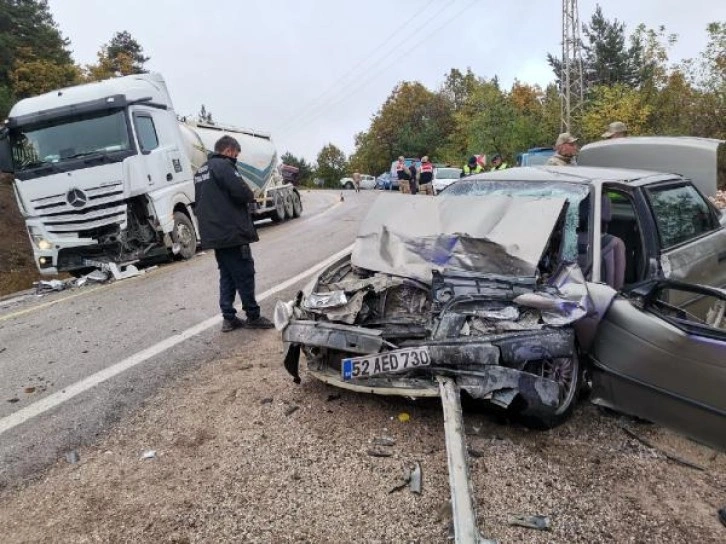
{"points": [[296, 204], [349, 186], [289, 208], [278, 214], [184, 235]]}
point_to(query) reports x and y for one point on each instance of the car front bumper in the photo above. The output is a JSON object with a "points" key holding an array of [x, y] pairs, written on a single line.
{"points": [[488, 368]]}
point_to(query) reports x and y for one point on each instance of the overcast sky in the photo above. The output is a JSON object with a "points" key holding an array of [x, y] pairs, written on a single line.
{"points": [[316, 71]]}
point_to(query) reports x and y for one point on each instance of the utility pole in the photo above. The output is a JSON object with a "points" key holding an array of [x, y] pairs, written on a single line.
{"points": [[572, 84]]}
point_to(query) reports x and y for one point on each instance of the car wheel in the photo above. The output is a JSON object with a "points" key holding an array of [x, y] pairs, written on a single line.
{"points": [[349, 186], [567, 372], [296, 204], [278, 214], [184, 236]]}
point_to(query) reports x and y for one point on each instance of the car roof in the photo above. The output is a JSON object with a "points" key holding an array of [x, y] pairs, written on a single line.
{"points": [[586, 175]]}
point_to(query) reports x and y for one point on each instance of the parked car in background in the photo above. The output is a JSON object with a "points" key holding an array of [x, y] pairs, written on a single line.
{"points": [[445, 176], [366, 182], [386, 182], [535, 156], [514, 310]]}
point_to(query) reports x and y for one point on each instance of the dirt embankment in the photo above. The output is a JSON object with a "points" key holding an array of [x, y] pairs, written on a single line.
{"points": [[17, 270]]}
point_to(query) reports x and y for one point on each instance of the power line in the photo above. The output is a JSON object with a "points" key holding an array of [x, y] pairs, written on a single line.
{"points": [[295, 127], [334, 86], [350, 88]]}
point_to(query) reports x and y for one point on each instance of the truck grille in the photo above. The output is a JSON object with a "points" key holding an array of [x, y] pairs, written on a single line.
{"points": [[104, 206]]}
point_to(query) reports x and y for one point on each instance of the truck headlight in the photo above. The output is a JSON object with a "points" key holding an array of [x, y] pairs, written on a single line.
{"points": [[37, 237]]}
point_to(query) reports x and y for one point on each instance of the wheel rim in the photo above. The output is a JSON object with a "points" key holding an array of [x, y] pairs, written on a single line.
{"points": [[562, 370], [183, 235]]}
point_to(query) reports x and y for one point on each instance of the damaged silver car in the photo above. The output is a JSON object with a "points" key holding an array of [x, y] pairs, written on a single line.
{"points": [[513, 282]]}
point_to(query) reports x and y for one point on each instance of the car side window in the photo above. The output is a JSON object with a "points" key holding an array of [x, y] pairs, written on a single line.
{"points": [[692, 309], [681, 214], [146, 132]]}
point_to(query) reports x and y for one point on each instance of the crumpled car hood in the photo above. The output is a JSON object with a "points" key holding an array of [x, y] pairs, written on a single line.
{"points": [[411, 236]]}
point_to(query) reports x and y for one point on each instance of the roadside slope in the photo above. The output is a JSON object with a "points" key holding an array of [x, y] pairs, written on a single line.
{"points": [[17, 270]]}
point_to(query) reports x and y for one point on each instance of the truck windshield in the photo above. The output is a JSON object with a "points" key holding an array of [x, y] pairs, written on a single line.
{"points": [[69, 138]]}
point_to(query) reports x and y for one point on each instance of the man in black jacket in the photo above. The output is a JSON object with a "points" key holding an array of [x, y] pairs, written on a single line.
{"points": [[222, 201]]}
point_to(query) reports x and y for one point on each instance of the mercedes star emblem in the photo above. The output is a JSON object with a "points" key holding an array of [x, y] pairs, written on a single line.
{"points": [[77, 198]]}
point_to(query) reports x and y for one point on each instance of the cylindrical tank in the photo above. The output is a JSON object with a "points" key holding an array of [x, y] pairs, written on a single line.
{"points": [[256, 162]]}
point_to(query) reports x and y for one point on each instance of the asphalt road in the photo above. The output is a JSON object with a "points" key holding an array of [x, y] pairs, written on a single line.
{"points": [[75, 362]]}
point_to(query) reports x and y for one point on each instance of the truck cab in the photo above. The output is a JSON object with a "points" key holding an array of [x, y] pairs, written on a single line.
{"points": [[100, 173]]}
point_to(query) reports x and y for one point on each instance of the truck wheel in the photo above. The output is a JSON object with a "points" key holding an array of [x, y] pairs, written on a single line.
{"points": [[289, 208], [296, 204], [278, 214], [184, 235]]}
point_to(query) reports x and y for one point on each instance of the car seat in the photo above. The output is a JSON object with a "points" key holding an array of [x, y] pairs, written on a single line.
{"points": [[612, 248]]}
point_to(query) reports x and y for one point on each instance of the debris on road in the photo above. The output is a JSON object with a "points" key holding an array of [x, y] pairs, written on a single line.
{"points": [[722, 515], [416, 479], [667, 455], [72, 457], [44, 286], [384, 441], [380, 453], [541, 523], [291, 410], [403, 417], [13, 400], [149, 454], [332, 397], [28, 390], [267, 400]]}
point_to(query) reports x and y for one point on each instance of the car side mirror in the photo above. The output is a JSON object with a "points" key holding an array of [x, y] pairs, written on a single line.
{"points": [[6, 154]]}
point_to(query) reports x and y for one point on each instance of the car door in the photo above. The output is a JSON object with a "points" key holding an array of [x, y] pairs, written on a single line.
{"points": [[660, 354], [692, 240]]}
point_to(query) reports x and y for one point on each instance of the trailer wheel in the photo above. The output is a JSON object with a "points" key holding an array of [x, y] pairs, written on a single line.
{"points": [[296, 204], [289, 207], [184, 235], [278, 214]]}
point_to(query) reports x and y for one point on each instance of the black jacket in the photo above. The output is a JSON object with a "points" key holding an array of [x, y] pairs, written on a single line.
{"points": [[221, 205]]}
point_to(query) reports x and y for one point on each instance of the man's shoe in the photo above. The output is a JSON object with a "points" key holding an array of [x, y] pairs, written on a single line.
{"points": [[259, 323], [232, 324]]}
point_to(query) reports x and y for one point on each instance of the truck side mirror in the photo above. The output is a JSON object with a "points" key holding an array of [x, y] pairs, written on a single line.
{"points": [[6, 154]]}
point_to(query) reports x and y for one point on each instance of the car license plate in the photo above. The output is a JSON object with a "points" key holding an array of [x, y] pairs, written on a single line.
{"points": [[385, 363]]}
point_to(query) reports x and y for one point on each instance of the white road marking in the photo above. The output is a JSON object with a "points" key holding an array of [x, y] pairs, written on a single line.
{"points": [[55, 399]]}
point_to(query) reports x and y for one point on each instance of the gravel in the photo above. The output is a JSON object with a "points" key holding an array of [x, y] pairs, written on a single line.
{"points": [[236, 463]]}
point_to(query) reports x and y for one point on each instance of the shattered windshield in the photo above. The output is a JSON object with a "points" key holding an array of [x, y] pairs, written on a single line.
{"points": [[69, 138], [574, 193]]}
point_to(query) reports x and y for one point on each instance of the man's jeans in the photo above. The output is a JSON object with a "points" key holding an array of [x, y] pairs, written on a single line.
{"points": [[236, 275]]}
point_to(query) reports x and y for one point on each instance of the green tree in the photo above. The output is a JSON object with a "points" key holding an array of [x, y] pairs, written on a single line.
{"points": [[619, 102], [122, 56], [28, 34], [413, 121], [331, 166], [607, 60]]}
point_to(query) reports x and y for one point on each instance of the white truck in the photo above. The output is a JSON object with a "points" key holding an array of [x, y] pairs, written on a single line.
{"points": [[104, 173]]}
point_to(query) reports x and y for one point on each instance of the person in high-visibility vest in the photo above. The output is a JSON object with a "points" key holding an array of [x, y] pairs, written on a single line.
{"points": [[472, 167], [426, 177], [498, 163]]}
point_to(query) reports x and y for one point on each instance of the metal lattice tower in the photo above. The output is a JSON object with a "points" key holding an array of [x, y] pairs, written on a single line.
{"points": [[572, 83]]}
